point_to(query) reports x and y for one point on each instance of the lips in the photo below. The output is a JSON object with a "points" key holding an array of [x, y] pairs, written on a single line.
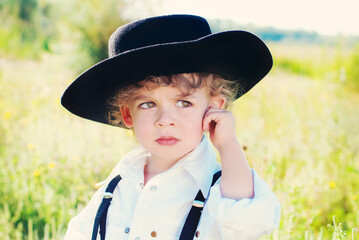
{"points": [[167, 140]]}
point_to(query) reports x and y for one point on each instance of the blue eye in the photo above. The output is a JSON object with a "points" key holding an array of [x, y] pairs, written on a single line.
{"points": [[183, 104], [147, 105]]}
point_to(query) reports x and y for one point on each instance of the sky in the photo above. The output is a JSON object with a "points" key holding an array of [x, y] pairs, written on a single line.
{"points": [[328, 17]]}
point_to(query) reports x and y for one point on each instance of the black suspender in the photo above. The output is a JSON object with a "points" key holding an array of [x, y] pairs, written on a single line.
{"points": [[188, 229], [191, 223], [100, 219]]}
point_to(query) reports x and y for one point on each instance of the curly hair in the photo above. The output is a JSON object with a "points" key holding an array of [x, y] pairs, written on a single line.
{"points": [[187, 83]]}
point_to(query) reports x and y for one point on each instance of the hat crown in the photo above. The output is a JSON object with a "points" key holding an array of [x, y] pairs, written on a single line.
{"points": [[157, 30]]}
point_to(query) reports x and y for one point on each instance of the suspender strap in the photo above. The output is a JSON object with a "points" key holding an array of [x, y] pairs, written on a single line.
{"points": [[189, 227], [191, 224], [100, 219], [216, 176]]}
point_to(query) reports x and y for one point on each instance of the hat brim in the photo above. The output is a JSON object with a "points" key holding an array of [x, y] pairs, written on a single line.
{"points": [[234, 55]]}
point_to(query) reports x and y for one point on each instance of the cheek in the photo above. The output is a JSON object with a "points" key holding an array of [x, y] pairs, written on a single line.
{"points": [[140, 124], [194, 120], [143, 133]]}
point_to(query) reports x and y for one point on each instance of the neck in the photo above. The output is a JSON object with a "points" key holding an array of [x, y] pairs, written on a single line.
{"points": [[156, 166]]}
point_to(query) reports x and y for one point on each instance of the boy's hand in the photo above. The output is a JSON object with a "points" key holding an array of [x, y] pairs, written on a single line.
{"points": [[237, 179], [221, 126]]}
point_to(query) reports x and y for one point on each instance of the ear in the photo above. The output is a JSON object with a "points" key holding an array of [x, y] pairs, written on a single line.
{"points": [[126, 116], [217, 101]]}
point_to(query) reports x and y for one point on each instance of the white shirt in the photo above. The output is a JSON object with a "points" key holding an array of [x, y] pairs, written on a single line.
{"points": [[162, 205]]}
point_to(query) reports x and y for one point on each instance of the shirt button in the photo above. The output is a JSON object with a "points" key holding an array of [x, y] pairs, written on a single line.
{"points": [[127, 230], [153, 188], [197, 234], [153, 234]]}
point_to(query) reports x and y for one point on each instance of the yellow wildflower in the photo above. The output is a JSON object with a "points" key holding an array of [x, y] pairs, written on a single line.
{"points": [[80, 188], [36, 173], [52, 165], [332, 184], [58, 101], [129, 133], [30, 146], [34, 102], [7, 115]]}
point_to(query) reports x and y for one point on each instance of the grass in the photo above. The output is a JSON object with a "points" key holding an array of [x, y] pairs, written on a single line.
{"points": [[330, 63], [300, 135]]}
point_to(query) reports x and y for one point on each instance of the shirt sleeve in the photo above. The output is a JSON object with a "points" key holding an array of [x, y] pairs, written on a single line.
{"points": [[80, 227], [246, 218]]}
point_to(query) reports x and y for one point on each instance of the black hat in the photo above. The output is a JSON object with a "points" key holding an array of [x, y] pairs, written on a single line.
{"points": [[161, 46]]}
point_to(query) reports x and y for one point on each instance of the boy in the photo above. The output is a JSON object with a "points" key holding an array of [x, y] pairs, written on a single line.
{"points": [[169, 79]]}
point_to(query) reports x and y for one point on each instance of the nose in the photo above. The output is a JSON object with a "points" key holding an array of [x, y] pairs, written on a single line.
{"points": [[165, 119]]}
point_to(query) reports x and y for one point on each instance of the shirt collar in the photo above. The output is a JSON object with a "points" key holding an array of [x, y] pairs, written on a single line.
{"points": [[131, 165], [200, 164]]}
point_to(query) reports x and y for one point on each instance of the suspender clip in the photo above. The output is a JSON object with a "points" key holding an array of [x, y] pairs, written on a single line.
{"points": [[107, 195], [197, 203]]}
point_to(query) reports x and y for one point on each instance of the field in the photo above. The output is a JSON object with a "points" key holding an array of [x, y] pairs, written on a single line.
{"points": [[300, 134]]}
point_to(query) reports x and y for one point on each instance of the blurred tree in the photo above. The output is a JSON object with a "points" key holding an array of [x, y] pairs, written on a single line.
{"points": [[352, 73], [27, 27], [94, 21]]}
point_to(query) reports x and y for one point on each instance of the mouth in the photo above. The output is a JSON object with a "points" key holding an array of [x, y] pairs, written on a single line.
{"points": [[167, 140]]}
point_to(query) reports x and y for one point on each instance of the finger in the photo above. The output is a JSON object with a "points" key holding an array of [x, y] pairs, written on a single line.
{"points": [[213, 109], [211, 116], [212, 126]]}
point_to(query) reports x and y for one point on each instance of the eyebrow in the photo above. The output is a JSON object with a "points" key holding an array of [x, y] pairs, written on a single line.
{"points": [[184, 95], [140, 97], [144, 97]]}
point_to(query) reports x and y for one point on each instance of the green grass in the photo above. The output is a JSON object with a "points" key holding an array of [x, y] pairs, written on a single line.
{"points": [[300, 135], [330, 63]]}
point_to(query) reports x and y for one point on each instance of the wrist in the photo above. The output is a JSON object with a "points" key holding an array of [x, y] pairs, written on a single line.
{"points": [[229, 145]]}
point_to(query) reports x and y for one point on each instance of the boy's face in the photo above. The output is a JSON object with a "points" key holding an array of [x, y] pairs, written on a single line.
{"points": [[166, 122]]}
